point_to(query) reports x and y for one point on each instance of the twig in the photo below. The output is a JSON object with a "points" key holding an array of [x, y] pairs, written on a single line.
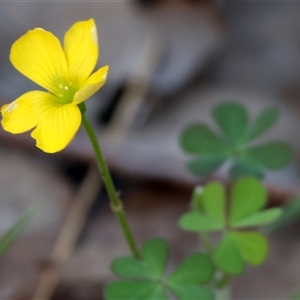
{"points": [[135, 92], [68, 236]]}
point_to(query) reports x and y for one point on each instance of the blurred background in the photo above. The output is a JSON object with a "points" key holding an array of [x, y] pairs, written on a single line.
{"points": [[170, 63]]}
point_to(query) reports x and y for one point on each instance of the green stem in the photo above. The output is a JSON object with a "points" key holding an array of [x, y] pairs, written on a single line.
{"points": [[224, 281], [115, 202], [220, 285], [206, 242]]}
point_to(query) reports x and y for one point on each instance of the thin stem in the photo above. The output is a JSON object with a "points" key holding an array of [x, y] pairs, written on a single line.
{"points": [[223, 281], [115, 202], [206, 242]]}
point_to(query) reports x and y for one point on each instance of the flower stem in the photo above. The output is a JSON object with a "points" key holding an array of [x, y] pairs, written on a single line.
{"points": [[115, 202]]}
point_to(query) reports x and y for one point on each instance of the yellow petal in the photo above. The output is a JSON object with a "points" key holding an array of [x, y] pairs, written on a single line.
{"points": [[92, 85], [24, 113], [81, 48], [57, 127], [39, 56]]}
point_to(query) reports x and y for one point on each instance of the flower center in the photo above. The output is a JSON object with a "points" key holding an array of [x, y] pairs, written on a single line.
{"points": [[64, 89]]}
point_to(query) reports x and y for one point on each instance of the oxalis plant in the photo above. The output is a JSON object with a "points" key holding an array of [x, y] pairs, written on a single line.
{"points": [[55, 114], [235, 142]]}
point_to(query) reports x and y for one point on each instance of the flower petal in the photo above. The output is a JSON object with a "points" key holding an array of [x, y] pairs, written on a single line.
{"points": [[39, 56], [24, 113], [92, 85], [81, 48], [57, 127]]}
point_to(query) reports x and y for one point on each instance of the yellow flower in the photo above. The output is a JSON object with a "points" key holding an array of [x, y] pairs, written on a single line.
{"points": [[65, 73]]}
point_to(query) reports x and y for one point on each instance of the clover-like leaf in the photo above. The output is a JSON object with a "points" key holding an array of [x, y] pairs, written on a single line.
{"points": [[185, 281], [206, 164], [236, 248], [266, 119], [134, 290], [253, 246], [214, 201], [227, 256], [143, 278], [247, 199], [155, 254], [151, 266], [272, 155], [247, 160], [248, 196], [197, 221], [244, 167], [232, 119], [200, 139], [260, 218], [195, 269], [210, 215], [129, 267], [191, 292]]}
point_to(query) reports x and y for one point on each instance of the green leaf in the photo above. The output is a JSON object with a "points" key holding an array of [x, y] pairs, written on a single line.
{"points": [[214, 201], [129, 267], [197, 221], [260, 218], [134, 290], [248, 196], [155, 254], [272, 155], [266, 119], [243, 167], [206, 164], [17, 228], [200, 139], [232, 119], [191, 292], [151, 266], [227, 256], [252, 245], [195, 269]]}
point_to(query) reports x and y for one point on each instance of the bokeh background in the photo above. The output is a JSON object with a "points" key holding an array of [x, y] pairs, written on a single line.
{"points": [[170, 63]]}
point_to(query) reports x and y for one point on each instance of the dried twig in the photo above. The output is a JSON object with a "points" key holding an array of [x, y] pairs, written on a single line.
{"points": [[67, 238]]}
